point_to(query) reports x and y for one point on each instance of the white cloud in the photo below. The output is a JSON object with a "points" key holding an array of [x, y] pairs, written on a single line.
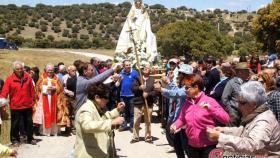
{"points": [[211, 9], [261, 6]]}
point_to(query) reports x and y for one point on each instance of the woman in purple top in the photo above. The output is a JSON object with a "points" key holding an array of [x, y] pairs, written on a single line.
{"points": [[198, 113]]}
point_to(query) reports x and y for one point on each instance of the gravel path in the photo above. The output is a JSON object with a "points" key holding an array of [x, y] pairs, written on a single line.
{"points": [[141, 149], [61, 147], [48, 147]]}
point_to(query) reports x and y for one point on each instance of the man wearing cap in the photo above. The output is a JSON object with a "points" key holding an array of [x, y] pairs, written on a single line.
{"points": [[173, 72], [177, 95], [231, 93], [271, 60]]}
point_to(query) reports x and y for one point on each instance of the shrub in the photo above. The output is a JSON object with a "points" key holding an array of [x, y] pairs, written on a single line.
{"points": [[69, 24], [39, 35], [37, 25], [73, 35], [61, 44], [65, 33], [50, 37], [44, 28], [31, 24], [56, 23], [18, 31], [57, 29], [42, 43], [15, 38], [75, 29], [84, 37], [20, 27], [42, 22]]}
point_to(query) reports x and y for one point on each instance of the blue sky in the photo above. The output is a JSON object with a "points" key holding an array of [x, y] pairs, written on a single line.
{"points": [[233, 5]]}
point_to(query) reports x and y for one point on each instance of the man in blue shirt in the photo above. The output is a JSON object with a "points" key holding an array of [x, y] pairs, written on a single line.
{"points": [[126, 94]]}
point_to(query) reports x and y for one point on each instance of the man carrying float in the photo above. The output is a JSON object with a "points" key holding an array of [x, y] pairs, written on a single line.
{"points": [[137, 43]]}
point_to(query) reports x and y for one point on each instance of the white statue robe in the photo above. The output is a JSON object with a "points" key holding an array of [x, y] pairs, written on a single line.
{"points": [[139, 22]]}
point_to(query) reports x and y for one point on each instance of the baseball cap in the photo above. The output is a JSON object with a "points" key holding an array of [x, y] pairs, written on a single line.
{"points": [[173, 60], [272, 57], [186, 69]]}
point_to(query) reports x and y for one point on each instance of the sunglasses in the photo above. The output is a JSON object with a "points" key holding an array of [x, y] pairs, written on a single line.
{"points": [[189, 86], [187, 80]]}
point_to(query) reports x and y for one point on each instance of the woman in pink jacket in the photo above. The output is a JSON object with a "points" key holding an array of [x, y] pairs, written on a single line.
{"points": [[198, 113]]}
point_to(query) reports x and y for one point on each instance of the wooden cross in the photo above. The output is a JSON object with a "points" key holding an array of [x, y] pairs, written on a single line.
{"points": [[138, 64]]}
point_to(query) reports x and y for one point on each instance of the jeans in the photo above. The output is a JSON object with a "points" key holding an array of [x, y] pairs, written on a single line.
{"points": [[128, 111], [16, 116], [169, 135], [163, 107]]}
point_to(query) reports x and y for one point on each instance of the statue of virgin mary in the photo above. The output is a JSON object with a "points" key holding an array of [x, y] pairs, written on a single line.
{"points": [[137, 28]]}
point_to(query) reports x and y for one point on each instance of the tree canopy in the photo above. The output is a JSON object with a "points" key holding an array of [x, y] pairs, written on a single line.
{"points": [[69, 22], [199, 39], [266, 27]]}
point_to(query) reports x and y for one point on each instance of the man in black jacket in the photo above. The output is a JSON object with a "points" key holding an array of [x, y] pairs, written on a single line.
{"points": [[212, 76], [142, 92]]}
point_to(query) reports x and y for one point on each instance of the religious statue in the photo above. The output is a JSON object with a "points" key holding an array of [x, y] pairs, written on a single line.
{"points": [[137, 36]]}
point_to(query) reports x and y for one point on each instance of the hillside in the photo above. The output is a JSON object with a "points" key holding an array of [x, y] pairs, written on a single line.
{"points": [[99, 25]]}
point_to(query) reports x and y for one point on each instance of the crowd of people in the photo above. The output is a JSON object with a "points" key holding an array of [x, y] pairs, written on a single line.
{"points": [[202, 105]]}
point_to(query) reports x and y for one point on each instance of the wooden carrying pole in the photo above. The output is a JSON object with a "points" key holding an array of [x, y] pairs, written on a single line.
{"points": [[138, 65]]}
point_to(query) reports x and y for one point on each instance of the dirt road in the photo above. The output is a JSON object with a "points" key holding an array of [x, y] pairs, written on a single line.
{"points": [[84, 53], [61, 147]]}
